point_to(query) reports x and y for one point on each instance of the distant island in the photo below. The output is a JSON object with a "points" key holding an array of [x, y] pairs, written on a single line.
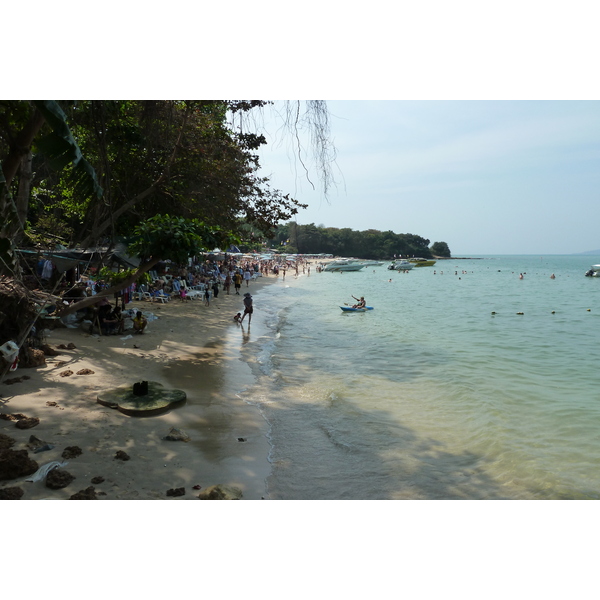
{"points": [[588, 253]]}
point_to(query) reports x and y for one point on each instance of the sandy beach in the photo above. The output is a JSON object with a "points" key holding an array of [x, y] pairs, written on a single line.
{"points": [[190, 347]]}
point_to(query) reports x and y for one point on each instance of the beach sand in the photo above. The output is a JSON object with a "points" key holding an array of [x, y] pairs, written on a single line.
{"points": [[190, 347]]}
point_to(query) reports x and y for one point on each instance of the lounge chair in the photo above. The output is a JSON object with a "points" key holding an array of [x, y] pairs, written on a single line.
{"points": [[160, 295]]}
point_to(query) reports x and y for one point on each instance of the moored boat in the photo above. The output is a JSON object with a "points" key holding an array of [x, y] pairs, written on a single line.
{"points": [[400, 265], [373, 263], [422, 262], [344, 264], [594, 271]]}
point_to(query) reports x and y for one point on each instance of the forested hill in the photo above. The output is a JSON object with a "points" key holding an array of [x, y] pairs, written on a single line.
{"points": [[373, 244]]}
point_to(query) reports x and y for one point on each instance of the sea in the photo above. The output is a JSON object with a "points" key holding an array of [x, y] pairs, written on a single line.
{"points": [[465, 381]]}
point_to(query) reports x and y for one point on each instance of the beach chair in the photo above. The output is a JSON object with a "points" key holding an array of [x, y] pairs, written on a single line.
{"points": [[160, 295], [142, 293]]}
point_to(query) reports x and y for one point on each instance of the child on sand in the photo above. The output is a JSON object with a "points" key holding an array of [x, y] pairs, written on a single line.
{"points": [[238, 317], [139, 322]]}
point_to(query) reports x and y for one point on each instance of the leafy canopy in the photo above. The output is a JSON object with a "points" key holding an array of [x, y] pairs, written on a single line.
{"points": [[171, 238]]}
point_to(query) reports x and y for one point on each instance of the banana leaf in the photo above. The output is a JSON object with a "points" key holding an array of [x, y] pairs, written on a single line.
{"points": [[61, 149]]}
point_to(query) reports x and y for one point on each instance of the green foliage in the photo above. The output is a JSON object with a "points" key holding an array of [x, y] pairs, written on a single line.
{"points": [[62, 150], [145, 158], [172, 238], [373, 244], [440, 249], [115, 277], [48, 230], [179, 157]]}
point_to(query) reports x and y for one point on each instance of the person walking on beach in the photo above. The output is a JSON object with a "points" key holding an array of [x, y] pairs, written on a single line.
{"points": [[207, 296], [248, 308], [247, 277], [237, 283]]}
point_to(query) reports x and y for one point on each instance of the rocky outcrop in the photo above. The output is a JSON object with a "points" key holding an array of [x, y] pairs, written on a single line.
{"points": [[12, 417], [177, 435], [58, 479], [27, 423], [87, 494], [48, 350], [35, 358], [6, 441], [176, 492], [220, 492], [121, 455], [16, 463], [11, 493], [72, 452]]}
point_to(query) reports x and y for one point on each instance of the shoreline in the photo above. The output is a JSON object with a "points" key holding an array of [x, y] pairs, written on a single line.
{"points": [[190, 347]]}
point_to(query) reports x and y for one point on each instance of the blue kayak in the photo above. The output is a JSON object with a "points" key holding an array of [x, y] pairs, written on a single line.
{"points": [[350, 309]]}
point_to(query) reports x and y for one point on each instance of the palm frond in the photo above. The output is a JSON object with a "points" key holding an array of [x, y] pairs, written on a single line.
{"points": [[61, 149]]}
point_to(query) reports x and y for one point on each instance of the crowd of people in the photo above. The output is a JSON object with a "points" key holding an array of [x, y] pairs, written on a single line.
{"points": [[207, 279]]}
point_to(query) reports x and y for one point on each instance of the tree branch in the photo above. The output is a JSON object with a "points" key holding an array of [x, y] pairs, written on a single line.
{"points": [[91, 300], [21, 146], [98, 230]]}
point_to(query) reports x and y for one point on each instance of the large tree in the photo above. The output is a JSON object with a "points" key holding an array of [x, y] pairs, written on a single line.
{"points": [[21, 125], [170, 156], [193, 159], [159, 238], [440, 249]]}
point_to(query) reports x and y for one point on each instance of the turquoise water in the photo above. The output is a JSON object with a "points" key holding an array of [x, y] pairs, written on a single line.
{"points": [[431, 395]]}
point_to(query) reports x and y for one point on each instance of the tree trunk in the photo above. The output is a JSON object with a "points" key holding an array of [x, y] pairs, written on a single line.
{"points": [[21, 146], [22, 200], [97, 230]]}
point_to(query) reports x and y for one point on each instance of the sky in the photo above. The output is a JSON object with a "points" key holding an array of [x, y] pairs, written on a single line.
{"points": [[456, 122], [486, 177]]}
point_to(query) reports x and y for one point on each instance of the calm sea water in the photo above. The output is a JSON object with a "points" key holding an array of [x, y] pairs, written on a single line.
{"points": [[431, 395]]}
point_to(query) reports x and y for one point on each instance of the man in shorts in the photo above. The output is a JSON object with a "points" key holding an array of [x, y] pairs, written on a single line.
{"points": [[237, 282]]}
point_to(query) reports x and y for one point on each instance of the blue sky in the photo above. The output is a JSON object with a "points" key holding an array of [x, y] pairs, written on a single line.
{"points": [[482, 141], [487, 177]]}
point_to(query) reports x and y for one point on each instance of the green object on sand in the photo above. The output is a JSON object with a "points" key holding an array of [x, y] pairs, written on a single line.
{"points": [[158, 399]]}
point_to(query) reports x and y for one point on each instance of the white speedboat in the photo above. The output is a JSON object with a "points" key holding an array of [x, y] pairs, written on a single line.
{"points": [[344, 264], [594, 271], [400, 265], [373, 263]]}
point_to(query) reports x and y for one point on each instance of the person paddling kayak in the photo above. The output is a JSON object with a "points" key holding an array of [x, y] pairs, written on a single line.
{"points": [[360, 303]]}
